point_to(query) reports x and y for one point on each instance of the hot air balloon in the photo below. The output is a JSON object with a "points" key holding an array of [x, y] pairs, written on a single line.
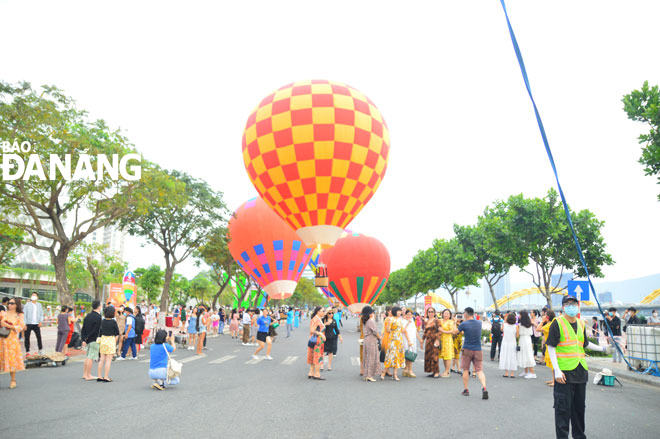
{"points": [[358, 268], [316, 151], [266, 248]]}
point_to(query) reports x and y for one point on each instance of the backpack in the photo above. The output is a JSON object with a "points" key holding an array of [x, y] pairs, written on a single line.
{"points": [[496, 327], [139, 324]]}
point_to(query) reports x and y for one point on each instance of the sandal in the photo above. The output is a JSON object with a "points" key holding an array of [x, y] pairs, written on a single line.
{"points": [[107, 380], [395, 378], [382, 377]]}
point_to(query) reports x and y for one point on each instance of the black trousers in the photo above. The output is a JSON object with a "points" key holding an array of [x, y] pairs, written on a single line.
{"points": [[569, 409], [37, 331], [497, 340]]}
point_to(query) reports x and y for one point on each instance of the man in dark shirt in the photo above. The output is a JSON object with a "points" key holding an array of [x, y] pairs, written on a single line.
{"points": [[472, 353], [615, 325], [570, 369], [89, 333], [632, 319]]}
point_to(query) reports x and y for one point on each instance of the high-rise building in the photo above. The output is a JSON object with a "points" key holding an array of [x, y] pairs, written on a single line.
{"points": [[501, 289], [113, 240]]}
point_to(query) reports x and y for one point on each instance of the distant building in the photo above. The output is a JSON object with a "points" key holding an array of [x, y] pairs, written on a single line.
{"points": [[605, 298], [501, 289]]}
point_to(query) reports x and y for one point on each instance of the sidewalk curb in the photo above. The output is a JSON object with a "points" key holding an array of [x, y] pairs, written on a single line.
{"points": [[626, 375]]}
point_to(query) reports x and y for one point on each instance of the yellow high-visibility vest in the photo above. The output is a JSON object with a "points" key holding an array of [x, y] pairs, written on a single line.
{"points": [[570, 350]]}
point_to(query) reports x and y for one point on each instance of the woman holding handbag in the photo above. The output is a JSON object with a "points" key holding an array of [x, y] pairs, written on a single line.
{"points": [[410, 343], [163, 346], [394, 358], [315, 344], [11, 324]]}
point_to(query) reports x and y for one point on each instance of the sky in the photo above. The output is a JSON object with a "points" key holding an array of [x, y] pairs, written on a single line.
{"points": [[181, 78]]}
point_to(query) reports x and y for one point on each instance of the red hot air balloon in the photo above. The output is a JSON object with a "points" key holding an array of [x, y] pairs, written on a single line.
{"points": [[358, 268], [266, 248]]}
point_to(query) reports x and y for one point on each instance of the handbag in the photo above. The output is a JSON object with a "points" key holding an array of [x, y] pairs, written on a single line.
{"points": [[411, 356], [173, 367], [311, 343], [276, 325], [4, 332]]}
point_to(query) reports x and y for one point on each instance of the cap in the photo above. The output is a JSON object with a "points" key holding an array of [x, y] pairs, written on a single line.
{"points": [[567, 298]]}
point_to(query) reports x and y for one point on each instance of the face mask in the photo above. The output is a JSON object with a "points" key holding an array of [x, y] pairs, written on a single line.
{"points": [[34, 298], [571, 310], [655, 314]]}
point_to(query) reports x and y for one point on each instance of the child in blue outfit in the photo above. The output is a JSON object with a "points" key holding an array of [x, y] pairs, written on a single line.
{"points": [[158, 362]]}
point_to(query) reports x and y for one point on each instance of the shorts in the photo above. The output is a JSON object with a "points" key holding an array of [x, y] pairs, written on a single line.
{"points": [[93, 350], [330, 346], [474, 357], [253, 331], [261, 336]]}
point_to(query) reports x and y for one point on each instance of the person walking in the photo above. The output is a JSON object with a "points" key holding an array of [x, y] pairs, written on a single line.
{"points": [[536, 334], [526, 352], [447, 330], [71, 320], [90, 332], [202, 325], [158, 356], [34, 317], [508, 357], [296, 318], [120, 317], [289, 322], [11, 357], [567, 339], [247, 317], [370, 363], [192, 330], [221, 321], [315, 352], [472, 353], [184, 317], [332, 334], [263, 338], [129, 335], [496, 336], [108, 343], [62, 328], [139, 328], [175, 316], [233, 324], [431, 341], [254, 327], [410, 342], [394, 357], [458, 346], [615, 325]]}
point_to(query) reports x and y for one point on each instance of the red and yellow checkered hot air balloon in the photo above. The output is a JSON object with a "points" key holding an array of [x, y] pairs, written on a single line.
{"points": [[358, 268], [267, 249], [316, 151]]}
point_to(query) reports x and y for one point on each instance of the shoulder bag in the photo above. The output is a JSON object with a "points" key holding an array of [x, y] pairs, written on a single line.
{"points": [[173, 367]]}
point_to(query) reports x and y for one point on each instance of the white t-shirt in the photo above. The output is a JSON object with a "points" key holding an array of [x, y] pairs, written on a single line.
{"points": [[247, 318]]}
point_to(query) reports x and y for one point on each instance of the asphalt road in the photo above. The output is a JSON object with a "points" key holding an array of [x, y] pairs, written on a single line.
{"points": [[225, 393]]}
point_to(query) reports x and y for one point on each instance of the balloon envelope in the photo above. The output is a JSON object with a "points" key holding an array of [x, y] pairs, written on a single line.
{"points": [[316, 151], [266, 248], [358, 269]]}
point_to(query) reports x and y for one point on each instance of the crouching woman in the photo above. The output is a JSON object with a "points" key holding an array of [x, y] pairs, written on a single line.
{"points": [[162, 347]]}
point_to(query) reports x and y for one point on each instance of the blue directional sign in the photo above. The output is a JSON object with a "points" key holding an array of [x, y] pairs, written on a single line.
{"points": [[579, 289]]}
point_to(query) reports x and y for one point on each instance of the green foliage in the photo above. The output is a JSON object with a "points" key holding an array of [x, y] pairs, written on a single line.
{"points": [[454, 269], [644, 106], [180, 289], [103, 268], [180, 226], [53, 124], [396, 288], [306, 294], [77, 275], [10, 239], [150, 281], [201, 287], [215, 253]]}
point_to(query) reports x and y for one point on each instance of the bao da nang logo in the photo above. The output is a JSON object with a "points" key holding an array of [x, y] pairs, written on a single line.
{"points": [[14, 166]]}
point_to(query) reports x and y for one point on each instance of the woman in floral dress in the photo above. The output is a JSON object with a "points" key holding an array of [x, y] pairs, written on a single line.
{"points": [[431, 343], [370, 364], [395, 358], [315, 354], [447, 329], [11, 357]]}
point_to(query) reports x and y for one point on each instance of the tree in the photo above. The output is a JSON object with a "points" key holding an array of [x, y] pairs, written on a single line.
{"points": [[182, 225], [644, 106], [10, 240], [395, 289], [454, 268], [493, 252], [215, 253], [77, 275], [103, 268], [201, 287], [539, 226], [150, 281], [180, 288], [56, 214], [305, 294]]}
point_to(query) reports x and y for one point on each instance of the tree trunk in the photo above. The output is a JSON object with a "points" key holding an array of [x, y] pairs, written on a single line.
{"points": [[454, 299], [59, 262], [165, 296], [492, 294]]}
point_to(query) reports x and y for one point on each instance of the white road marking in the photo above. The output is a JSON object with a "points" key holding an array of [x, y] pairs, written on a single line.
{"points": [[355, 361], [253, 361], [189, 359], [222, 359], [289, 360]]}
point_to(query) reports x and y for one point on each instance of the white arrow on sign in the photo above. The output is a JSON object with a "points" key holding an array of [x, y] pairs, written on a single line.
{"points": [[578, 290]]}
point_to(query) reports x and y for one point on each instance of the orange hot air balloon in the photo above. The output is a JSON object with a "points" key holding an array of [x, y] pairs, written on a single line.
{"points": [[358, 268], [266, 248], [316, 151]]}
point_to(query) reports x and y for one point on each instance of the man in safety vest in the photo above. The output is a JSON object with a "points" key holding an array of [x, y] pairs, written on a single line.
{"points": [[567, 339]]}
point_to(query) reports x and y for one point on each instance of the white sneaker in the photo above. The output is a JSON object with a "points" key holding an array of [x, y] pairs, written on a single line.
{"points": [[134, 358], [190, 348], [523, 374], [268, 357], [255, 357], [530, 376], [121, 358], [246, 344]]}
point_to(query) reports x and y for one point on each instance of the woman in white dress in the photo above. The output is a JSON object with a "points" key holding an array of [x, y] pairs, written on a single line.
{"points": [[526, 353], [410, 339], [508, 357]]}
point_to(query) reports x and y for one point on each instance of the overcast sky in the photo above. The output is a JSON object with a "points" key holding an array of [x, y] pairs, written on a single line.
{"points": [[181, 78]]}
